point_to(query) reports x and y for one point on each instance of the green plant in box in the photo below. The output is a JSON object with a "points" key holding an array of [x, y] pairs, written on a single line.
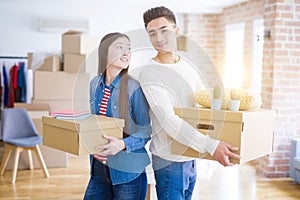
{"points": [[217, 92], [216, 101]]}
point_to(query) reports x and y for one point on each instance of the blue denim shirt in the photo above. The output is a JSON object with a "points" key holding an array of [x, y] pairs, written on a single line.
{"points": [[130, 163]]}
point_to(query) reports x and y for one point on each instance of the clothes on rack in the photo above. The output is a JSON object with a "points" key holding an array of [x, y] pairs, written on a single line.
{"points": [[5, 85], [21, 87], [1, 90], [13, 74], [15, 88]]}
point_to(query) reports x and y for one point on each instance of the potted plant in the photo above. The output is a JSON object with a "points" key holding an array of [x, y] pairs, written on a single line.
{"points": [[234, 102], [216, 101]]}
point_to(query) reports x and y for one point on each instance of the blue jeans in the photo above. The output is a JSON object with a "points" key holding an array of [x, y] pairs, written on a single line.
{"points": [[100, 187], [174, 180]]}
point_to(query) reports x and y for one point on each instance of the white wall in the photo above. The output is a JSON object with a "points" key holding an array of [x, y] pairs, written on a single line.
{"points": [[20, 21]]}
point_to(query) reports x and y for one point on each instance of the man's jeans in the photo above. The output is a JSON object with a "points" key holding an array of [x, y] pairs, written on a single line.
{"points": [[174, 180], [100, 187]]}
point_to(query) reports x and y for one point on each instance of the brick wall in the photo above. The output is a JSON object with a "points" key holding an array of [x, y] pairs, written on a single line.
{"points": [[281, 79], [281, 65], [208, 31]]}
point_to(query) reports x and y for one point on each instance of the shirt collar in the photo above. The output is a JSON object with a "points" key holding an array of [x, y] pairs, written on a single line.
{"points": [[115, 83]]}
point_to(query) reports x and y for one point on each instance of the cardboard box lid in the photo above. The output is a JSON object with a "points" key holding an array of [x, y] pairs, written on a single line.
{"points": [[94, 122], [33, 106], [216, 115], [52, 60], [38, 114], [72, 32]]}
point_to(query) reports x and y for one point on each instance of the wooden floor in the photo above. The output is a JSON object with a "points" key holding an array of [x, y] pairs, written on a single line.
{"points": [[236, 183]]}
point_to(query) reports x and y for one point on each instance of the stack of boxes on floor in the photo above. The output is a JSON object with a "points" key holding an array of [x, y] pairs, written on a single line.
{"points": [[68, 89], [57, 88]]}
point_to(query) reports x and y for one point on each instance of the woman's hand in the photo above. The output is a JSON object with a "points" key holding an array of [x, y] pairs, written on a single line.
{"points": [[101, 158], [113, 147]]}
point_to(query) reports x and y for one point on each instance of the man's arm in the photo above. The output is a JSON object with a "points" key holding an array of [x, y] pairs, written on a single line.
{"points": [[161, 96], [158, 97]]}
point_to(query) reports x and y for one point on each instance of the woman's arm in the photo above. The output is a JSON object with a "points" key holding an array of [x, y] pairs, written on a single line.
{"points": [[139, 114]]}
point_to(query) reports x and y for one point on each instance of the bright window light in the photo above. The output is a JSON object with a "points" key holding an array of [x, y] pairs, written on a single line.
{"points": [[234, 55]]}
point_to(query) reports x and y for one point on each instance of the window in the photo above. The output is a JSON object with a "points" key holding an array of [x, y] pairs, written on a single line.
{"points": [[234, 55]]}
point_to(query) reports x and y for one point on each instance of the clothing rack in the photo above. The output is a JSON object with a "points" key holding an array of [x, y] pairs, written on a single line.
{"points": [[13, 57], [10, 60]]}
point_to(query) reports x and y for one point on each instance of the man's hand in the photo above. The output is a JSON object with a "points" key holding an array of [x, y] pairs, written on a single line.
{"points": [[224, 152]]}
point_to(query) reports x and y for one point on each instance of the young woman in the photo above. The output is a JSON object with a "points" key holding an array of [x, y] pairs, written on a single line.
{"points": [[118, 172]]}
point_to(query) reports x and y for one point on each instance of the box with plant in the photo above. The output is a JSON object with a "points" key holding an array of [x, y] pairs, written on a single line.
{"points": [[216, 101]]}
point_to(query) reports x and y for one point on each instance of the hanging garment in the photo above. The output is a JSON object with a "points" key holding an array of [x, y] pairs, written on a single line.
{"points": [[1, 90], [6, 89], [13, 84], [21, 84]]}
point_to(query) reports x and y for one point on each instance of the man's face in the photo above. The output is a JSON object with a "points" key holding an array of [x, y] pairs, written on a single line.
{"points": [[162, 34]]}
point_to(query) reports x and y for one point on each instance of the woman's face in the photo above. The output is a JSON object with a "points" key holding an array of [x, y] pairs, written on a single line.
{"points": [[119, 53]]}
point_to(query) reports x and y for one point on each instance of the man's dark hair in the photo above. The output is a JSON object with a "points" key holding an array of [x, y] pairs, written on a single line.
{"points": [[157, 12]]}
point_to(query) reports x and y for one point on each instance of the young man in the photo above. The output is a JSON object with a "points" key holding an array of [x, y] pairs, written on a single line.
{"points": [[168, 81]]}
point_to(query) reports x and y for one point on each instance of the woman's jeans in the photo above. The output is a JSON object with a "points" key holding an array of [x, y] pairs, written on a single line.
{"points": [[100, 187], [174, 180]]}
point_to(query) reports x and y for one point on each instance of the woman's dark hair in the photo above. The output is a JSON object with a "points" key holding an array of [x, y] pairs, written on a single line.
{"points": [[106, 41], [157, 12]]}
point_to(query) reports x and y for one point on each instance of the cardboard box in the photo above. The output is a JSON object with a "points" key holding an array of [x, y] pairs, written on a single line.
{"points": [[36, 117], [251, 131], [80, 63], [60, 85], [73, 104], [33, 106], [29, 60], [51, 63], [78, 43], [79, 137]]}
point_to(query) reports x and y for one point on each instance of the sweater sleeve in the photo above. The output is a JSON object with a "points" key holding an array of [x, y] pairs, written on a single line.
{"points": [[161, 103]]}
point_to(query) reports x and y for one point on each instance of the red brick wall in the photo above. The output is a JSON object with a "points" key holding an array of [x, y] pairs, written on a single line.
{"points": [[203, 30], [281, 65], [208, 30], [281, 79]]}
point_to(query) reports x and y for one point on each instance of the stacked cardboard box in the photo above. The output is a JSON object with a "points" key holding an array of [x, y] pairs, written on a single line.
{"points": [[44, 62], [68, 89], [61, 90], [80, 52], [51, 63]]}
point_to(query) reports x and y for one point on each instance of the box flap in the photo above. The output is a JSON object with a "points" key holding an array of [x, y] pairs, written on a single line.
{"points": [[208, 114], [218, 115], [94, 122], [33, 106], [72, 32]]}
